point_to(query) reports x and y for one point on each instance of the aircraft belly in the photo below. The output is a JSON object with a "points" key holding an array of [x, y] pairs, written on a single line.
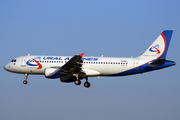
{"points": [[108, 69], [30, 70], [113, 70]]}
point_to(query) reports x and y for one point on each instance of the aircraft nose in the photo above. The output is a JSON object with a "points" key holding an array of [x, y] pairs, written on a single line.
{"points": [[7, 67]]}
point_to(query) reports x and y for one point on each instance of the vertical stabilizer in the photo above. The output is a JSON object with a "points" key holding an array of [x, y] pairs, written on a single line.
{"points": [[159, 47]]}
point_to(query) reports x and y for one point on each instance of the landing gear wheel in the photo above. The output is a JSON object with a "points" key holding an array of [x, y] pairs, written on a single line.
{"points": [[87, 84], [26, 77], [77, 82], [25, 82]]}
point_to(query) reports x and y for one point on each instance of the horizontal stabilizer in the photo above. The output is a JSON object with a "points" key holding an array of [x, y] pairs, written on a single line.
{"points": [[158, 62]]}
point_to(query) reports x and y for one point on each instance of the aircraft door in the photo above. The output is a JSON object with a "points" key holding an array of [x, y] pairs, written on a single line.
{"points": [[136, 63], [23, 61]]}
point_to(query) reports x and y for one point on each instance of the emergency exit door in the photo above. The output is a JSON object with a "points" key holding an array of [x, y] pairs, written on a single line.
{"points": [[136, 63]]}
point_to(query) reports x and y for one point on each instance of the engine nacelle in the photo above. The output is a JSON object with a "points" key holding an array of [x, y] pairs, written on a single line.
{"points": [[52, 72], [58, 73]]}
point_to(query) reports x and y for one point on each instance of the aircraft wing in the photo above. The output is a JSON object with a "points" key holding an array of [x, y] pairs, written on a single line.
{"points": [[74, 64]]}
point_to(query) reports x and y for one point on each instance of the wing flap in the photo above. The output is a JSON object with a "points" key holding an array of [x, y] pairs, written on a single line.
{"points": [[74, 64]]}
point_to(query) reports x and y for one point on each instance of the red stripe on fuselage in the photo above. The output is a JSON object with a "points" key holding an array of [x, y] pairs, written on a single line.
{"points": [[40, 66]]}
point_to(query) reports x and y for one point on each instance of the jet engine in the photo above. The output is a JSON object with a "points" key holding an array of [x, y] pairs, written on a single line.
{"points": [[52, 72]]}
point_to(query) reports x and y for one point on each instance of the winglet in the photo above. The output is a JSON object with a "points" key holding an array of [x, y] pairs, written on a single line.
{"points": [[81, 55]]}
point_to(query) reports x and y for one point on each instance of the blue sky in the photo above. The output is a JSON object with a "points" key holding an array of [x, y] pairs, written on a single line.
{"points": [[97, 27]]}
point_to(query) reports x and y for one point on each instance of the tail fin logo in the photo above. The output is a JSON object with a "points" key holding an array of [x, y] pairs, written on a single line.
{"points": [[31, 61], [155, 49]]}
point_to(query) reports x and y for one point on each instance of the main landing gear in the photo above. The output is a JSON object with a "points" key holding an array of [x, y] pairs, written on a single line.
{"points": [[86, 84], [26, 77], [77, 82]]}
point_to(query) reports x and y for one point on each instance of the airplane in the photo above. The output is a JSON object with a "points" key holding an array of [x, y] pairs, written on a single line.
{"points": [[75, 68]]}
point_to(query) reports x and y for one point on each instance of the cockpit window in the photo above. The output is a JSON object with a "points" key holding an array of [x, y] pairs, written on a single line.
{"points": [[14, 60]]}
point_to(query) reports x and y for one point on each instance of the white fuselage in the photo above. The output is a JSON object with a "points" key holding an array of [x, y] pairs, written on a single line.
{"points": [[93, 66]]}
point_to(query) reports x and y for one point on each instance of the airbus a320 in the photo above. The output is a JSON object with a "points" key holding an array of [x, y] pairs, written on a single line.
{"points": [[75, 68]]}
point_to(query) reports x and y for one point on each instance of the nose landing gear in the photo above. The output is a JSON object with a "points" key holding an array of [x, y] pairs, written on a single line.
{"points": [[26, 77]]}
